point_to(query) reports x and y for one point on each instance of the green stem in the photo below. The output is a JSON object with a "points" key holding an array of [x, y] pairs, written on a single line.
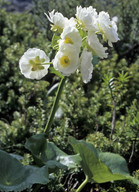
{"points": [[82, 184], [50, 63], [55, 105]]}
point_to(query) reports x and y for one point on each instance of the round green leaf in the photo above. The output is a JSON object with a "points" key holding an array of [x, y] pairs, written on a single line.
{"points": [[16, 177], [101, 167], [36, 144], [49, 154]]}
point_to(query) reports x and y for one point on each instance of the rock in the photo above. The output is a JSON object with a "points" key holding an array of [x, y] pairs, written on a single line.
{"points": [[19, 5]]}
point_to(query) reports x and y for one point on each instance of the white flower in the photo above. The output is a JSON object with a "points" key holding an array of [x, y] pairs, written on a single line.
{"points": [[86, 66], [96, 47], [59, 21], [66, 61], [107, 28], [87, 17], [70, 38], [115, 19], [33, 64]]}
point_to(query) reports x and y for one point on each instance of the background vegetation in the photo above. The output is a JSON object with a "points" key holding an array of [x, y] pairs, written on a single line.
{"points": [[103, 112]]}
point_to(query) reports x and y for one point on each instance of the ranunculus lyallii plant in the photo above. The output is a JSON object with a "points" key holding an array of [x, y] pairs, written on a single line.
{"points": [[76, 41]]}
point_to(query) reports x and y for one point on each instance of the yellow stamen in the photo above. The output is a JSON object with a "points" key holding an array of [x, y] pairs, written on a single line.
{"points": [[37, 64], [104, 37], [100, 29], [64, 61], [68, 40], [37, 59], [31, 62], [42, 60]]}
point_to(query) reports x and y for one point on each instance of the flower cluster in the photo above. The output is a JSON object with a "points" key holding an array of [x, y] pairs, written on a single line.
{"points": [[80, 39]]}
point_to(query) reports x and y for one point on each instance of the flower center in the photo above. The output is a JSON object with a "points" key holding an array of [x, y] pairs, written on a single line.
{"points": [[68, 40], [56, 28], [64, 61], [36, 64]]}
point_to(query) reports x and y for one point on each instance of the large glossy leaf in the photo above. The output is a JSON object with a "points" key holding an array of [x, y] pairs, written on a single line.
{"points": [[36, 145], [47, 153], [16, 177], [101, 167]]}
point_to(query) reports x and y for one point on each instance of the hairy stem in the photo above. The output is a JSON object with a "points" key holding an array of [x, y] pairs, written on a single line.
{"points": [[82, 184], [55, 105]]}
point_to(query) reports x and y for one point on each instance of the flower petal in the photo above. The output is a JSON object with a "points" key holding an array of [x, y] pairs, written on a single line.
{"points": [[87, 17], [107, 27], [96, 46], [86, 66]]}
